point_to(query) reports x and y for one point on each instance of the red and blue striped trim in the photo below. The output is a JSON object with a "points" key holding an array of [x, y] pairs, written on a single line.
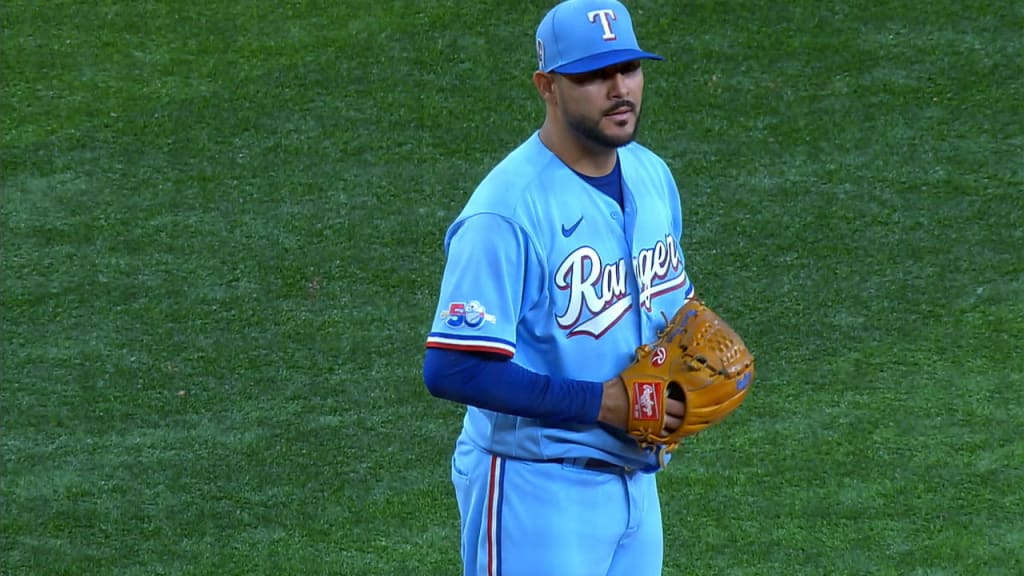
{"points": [[495, 495], [471, 343]]}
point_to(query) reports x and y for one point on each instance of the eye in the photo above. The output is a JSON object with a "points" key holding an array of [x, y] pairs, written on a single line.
{"points": [[624, 69], [630, 67], [585, 78]]}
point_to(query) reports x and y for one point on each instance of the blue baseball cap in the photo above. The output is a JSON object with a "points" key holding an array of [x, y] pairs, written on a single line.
{"points": [[581, 36]]}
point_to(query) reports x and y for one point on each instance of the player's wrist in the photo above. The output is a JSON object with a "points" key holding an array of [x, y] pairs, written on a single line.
{"points": [[614, 403]]}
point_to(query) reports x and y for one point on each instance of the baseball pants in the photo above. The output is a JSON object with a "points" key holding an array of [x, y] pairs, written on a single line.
{"points": [[560, 518]]}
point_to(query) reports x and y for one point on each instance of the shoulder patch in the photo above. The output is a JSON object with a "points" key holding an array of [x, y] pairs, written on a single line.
{"points": [[470, 314]]}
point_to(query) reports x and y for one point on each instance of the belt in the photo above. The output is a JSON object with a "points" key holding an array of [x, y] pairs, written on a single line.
{"points": [[593, 464]]}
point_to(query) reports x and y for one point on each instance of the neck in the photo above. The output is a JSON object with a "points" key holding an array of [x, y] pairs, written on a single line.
{"points": [[582, 156]]}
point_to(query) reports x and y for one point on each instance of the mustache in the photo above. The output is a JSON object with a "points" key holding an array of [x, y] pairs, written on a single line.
{"points": [[621, 104]]}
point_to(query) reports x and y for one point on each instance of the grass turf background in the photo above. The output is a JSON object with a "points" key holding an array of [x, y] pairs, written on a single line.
{"points": [[221, 240]]}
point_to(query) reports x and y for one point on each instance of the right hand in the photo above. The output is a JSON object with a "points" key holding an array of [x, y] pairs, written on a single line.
{"points": [[615, 407]]}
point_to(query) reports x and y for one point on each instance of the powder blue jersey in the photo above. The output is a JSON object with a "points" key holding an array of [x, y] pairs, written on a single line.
{"points": [[546, 269]]}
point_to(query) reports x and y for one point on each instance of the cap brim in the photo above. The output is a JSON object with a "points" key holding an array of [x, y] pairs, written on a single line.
{"points": [[603, 60]]}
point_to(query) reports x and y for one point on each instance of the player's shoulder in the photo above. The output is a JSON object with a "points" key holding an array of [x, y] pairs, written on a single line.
{"points": [[638, 154], [642, 168], [511, 184]]}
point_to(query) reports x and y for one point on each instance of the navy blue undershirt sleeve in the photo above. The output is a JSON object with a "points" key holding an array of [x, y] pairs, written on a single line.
{"points": [[499, 384]]}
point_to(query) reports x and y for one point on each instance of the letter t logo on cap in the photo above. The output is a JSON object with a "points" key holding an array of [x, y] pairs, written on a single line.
{"points": [[606, 15]]}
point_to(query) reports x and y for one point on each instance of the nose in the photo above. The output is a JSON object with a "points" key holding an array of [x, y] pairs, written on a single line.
{"points": [[617, 87]]}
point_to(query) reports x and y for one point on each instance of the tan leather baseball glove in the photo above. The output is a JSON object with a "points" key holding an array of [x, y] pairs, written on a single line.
{"points": [[698, 359]]}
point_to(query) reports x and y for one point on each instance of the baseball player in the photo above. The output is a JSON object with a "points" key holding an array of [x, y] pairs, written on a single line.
{"points": [[565, 259]]}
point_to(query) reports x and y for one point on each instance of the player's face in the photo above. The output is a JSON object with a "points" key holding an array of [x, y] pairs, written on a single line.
{"points": [[603, 107]]}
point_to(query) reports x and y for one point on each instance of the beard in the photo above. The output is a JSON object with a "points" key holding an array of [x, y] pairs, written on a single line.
{"points": [[589, 129]]}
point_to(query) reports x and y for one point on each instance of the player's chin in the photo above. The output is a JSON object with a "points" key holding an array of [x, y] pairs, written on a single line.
{"points": [[620, 127], [620, 136]]}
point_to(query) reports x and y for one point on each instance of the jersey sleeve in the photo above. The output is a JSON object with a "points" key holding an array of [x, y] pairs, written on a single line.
{"points": [[482, 288]]}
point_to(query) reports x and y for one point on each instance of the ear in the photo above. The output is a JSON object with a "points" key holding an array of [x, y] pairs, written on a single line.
{"points": [[545, 84]]}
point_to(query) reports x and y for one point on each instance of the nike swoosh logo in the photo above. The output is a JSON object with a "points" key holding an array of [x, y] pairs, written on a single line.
{"points": [[566, 232]]}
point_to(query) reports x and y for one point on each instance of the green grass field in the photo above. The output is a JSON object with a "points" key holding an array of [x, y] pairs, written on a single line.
{"points": [[221, 243]]}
